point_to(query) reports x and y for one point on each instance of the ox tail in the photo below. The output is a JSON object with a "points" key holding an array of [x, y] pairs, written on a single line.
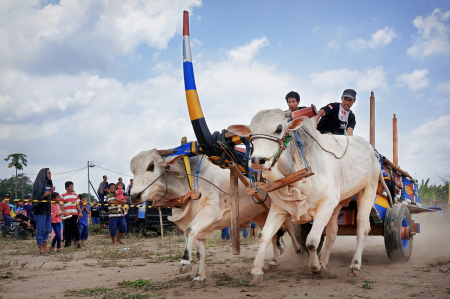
{"points": [[280, 242]]}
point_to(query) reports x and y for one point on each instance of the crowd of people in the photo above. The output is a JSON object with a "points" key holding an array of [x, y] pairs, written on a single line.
{"points": [[68, 215]]}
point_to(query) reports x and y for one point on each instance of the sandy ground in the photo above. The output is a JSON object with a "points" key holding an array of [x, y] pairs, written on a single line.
{"points": [[76, 273]]}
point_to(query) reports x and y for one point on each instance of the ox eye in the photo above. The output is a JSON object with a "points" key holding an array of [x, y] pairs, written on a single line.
{"points": [[151, 167], [279, 129]]}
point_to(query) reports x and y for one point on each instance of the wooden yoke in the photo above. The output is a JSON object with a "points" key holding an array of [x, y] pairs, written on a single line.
{"points": [[290, 179]]}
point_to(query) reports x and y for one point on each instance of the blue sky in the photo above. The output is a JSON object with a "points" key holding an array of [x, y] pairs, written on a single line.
{"points": [[85, 80]]}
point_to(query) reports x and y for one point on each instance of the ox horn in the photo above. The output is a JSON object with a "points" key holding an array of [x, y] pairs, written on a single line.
{"points": [[204, 137], [163, 153]]}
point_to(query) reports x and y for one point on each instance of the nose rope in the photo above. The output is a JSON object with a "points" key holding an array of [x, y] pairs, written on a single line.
{"points": [[139, 194]]}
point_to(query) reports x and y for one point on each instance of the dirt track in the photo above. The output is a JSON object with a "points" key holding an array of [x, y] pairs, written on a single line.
{"points": [[426, 275]]}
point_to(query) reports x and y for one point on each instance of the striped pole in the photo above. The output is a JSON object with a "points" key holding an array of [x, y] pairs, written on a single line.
{"points": [[198, 121]]}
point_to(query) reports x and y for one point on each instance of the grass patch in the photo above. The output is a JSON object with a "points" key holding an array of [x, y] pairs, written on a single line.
{"points": [[367, 285], [108, 293], [146, 285], [407, 285], [97, 230]]}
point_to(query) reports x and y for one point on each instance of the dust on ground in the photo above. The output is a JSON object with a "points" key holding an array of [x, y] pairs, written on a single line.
{"points": [[149, 269]]}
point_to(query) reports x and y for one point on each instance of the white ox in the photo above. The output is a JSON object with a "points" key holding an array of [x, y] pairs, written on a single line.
{"points": [[322, 195], [198, 218]]}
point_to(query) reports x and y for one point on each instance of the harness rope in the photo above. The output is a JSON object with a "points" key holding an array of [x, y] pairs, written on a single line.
{"points": [[346, 148]]}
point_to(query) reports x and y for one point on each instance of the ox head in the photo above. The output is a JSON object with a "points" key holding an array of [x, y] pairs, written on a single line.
{"points": [[268, 129], [149, 167]]}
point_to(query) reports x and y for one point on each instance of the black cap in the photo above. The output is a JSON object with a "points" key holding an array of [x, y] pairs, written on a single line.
{"points": [[349, 93], [6, 195]]}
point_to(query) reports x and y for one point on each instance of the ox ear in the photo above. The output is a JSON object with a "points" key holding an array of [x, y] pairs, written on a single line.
{"points": [[173, 160], [296, 123], [240, 130]]}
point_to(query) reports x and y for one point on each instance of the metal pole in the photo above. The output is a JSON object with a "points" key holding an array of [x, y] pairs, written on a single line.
{"points": [[89, 186], [372, 119]]}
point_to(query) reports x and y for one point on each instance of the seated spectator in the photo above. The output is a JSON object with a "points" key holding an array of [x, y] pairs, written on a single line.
{"points": [[83, 220], [5, 212], [21, 214], [28, 206], [56, 214], [95, 214]]}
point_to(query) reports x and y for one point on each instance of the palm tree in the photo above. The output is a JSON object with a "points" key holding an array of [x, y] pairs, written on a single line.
{"points": [[18, 161]]}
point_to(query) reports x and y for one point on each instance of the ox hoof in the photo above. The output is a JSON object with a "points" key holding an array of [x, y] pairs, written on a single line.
{"points": [[184, 268], [353, 272], [273, 265], [299, 251], [256, 279], [197, 283]]}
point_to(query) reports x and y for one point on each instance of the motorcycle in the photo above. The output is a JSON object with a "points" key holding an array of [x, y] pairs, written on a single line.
{"points": [[19, 229]]}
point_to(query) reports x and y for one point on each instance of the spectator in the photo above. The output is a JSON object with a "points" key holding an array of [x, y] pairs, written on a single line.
{"points": [[95, 214], [71, 206], [140, 223], [119, 192], [42, 190], [245, 233], [226, 234], [253, 230], [21, 214], [83, 220], [5, 212], [116, 218], [129, 187], [126, 207], [56, 222], [28, 206], [102, 191], [12, 208], [120, 181]]}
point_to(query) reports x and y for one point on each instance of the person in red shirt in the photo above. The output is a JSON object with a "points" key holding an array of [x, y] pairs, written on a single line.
{"points": [[5, 212], [72, 207]]}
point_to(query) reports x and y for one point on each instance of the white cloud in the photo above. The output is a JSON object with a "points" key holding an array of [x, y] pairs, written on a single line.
{"points": [[84, 34], [380, 38], [433, 35], [246, 53], [443, 88], [333, 45], [428, 161], [105, 120], [367, 80], [415, 81]]}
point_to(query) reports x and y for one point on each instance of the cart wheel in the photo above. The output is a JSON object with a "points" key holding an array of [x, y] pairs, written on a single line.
{"points": [[301, 233], [397, 233]]}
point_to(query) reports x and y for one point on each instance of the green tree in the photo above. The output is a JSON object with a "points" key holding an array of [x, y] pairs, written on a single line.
{"points": [[18, 161], [431, 193], [24, 186]]}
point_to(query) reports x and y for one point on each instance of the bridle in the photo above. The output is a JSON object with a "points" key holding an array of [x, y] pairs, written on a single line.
{"points": [[138, 196], [282, 144]]}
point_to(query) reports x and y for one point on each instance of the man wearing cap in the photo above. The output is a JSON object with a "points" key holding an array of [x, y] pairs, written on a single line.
{"points": [[337, 118], [5, 212]]}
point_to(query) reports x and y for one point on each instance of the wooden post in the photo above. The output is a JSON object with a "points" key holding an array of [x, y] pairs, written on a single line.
{"points": [[246, 183], [161, 223], [372, 119], [395, 141], [235, 233]]}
